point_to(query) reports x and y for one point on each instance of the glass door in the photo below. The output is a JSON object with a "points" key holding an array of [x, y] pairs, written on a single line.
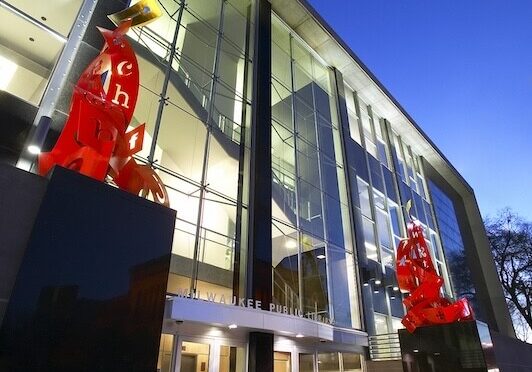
{"points": [[306, 362], [164, 362], [194, 357]]}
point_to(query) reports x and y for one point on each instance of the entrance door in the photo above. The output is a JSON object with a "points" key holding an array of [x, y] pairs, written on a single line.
{"points": [[281, 362], [194, 357], [188, 363]]}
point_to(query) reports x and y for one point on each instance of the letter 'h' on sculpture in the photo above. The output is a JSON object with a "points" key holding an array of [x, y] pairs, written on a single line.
{"points": [[416, 274], [95, 140]]}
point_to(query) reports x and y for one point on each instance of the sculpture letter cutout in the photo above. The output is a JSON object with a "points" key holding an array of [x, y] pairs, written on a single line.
{"points": [[417, 275], [94, 141]]}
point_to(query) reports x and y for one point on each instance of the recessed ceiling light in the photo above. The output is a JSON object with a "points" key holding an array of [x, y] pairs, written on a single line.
{"points": [[366, 284], [232, 326], [415, 351], [34, 150], [378, 281], [320, 256], [395, 288], [375, 290]]}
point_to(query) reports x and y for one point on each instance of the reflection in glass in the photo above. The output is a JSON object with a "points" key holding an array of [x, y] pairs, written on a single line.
{"points": [[363, 193], [351, 362], [308, 186], [369, 240], [306, 362], [285, 266], [381, 323], [328, 362], [314, 278]]}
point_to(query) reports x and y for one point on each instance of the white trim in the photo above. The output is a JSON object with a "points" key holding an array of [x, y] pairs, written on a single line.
{"points": [[190, 310]]}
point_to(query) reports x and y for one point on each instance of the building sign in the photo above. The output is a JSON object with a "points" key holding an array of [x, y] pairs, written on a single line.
{"points": [[250, 303]]}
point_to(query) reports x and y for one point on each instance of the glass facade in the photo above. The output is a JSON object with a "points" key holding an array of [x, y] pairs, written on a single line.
{"points": [[311, 240], [455, 256], [386, 174], [340, 174], [195, 65], [195, 136]]}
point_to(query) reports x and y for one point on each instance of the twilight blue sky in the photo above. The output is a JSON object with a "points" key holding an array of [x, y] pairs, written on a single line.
{"points": [[463, 71]]}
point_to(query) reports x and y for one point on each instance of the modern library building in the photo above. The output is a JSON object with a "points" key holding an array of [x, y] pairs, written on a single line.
{"points": [[287, 168]]}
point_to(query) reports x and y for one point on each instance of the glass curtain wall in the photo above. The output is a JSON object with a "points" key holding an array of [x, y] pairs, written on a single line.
{"points": [[451, 237], [195, 130], [313, 267], [388, 175]]}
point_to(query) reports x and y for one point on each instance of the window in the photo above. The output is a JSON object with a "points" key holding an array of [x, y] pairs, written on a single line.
{"points": [[363, 192], [367, 128]]}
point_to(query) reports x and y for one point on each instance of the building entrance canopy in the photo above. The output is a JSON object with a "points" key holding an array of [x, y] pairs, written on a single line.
{"points": [[180, 310]]}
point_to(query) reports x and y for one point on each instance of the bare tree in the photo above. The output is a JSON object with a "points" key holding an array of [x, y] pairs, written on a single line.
{"points": [[511, 243]]}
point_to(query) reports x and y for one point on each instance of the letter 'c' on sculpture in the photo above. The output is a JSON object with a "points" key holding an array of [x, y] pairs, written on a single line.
{"points": [[95, 141]]}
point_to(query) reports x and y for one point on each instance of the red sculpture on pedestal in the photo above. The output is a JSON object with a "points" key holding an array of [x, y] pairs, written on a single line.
{"points": [[95, 141], [417, 275]]}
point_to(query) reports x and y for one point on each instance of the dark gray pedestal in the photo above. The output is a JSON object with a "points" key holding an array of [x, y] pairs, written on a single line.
{"points": [[90, 292]]}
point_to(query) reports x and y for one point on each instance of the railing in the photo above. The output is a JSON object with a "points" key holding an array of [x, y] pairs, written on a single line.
{"points": [[154, 42], [286, 182], [385, 347], [159, 48], [284, 294]]}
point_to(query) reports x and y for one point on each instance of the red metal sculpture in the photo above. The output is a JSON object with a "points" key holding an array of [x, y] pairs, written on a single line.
{"points": [[416, 274], [95, 141]]}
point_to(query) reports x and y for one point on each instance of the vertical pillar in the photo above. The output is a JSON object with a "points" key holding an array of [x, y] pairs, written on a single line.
{"points": [[259, 265], [259, 270], [260, 352]]}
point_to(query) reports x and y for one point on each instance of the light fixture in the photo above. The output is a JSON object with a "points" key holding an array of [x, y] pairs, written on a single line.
{"points": [[299, 335], [34, 150], [365, 284], [320, 256], [232, 326], [415, 351], [375, 290], [290, 244], [395, 288], [10, 8], [377, 282], [7, 71], [392, 297]]}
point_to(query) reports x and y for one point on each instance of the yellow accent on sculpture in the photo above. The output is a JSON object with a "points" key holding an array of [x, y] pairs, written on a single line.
{"points": [[140, 13]]}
